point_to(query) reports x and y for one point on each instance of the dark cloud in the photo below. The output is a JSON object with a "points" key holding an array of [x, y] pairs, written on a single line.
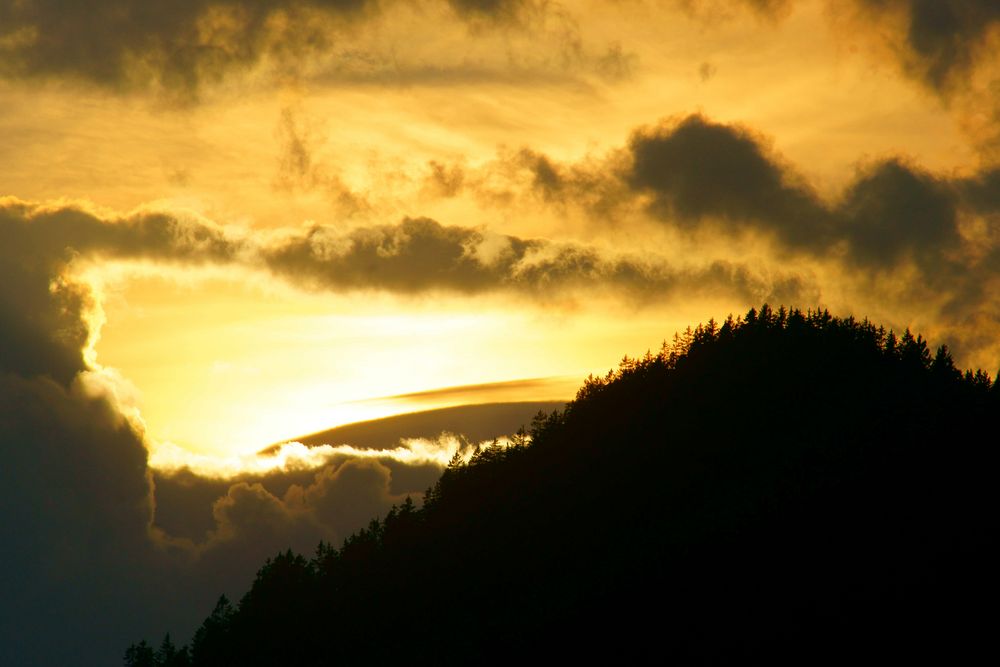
{"points": [[350, 494], [177, 45], [42, 313], [420, 255], [590, 185], [697, 169], [894, 210], [76, 508], [892, 219], [982, 190], [497, 9], [417, 255], [468, 390], [940, 42], [700, 175], [709, 180], [944, 39]]}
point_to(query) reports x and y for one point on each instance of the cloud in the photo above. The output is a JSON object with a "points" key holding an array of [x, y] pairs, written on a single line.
{"points": [[79, 507], [468, 392], [894, 210], [897, 235], [698, 169], [348, 495], [44, 313], [125, 43], [180, 49], [420, 255], [417, 255], [943, 40], [495, 9], [299, 170], [918, 240], [982, 190], [699, 174], [708, 179], [715, 10], [76, 507]]}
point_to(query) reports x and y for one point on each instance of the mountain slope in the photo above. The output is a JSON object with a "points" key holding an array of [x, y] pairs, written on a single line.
{"points": [[785, 487]]}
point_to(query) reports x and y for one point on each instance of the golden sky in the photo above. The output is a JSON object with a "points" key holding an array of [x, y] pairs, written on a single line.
{"points": [[502, 119], [224, 224]]}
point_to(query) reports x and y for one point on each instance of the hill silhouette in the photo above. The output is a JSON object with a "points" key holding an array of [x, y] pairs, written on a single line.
{"points": [[785, 487]]}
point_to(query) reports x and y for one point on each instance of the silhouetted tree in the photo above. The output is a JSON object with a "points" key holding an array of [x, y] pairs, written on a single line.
{"points": [[211, 644], [140, 655], [787, 485]]}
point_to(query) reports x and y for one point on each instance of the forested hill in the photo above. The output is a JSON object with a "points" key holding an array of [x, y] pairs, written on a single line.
{"points": [[785, 487]]}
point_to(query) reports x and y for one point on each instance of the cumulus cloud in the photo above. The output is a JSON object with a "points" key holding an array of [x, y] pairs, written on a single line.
{"points": [[44, 313], [77, 503], [698, 169], [698, 173]]}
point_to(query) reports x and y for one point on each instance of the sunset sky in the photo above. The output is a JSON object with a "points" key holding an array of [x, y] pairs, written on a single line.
{"points": [[227, 224]]}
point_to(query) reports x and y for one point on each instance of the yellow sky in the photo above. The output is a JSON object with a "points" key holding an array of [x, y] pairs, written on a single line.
{"points": [[228, 360]]}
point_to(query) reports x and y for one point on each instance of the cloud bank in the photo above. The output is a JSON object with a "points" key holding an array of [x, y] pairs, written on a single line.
{"points": [[183, 48]]}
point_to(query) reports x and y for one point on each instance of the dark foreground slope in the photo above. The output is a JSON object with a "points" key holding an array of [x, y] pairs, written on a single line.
{"points": [[784, 488]]}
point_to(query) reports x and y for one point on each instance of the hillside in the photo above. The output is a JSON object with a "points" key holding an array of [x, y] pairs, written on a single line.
{"points": [[787, 486]]}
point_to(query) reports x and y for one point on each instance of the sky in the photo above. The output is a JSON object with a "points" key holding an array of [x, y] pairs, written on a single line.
{"points": [[225, 225]]}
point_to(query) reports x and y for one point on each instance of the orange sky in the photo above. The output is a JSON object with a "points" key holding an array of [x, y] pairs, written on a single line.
{"points": [[225, 223], [441, 110]]}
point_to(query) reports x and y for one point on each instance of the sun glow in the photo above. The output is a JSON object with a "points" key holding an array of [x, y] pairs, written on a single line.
{"points": [[291, 456], [222, 366]]}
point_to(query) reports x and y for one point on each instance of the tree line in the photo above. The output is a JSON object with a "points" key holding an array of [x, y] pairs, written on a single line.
{"points": [[783, 484]]}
